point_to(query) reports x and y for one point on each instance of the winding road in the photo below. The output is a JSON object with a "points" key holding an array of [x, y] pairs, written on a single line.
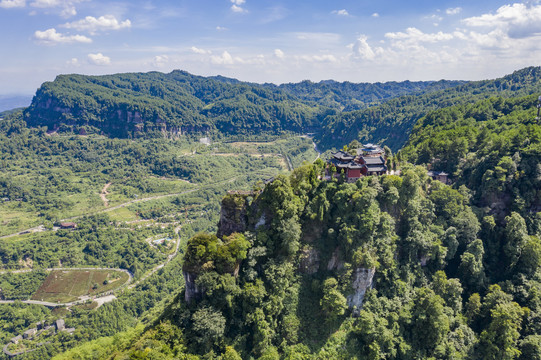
{"points": [[106, 297], [82, 299]]}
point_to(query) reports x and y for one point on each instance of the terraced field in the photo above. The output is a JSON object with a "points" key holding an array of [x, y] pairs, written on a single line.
{"points": [[65, 286]]}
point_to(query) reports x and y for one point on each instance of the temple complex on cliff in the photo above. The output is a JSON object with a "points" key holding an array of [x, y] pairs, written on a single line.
{"points": [[369, 160]]}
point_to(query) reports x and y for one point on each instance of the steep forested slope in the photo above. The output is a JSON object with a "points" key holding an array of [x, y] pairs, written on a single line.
{"points": [[392, 121], [129, 104], [493, 147], [288, 284]]}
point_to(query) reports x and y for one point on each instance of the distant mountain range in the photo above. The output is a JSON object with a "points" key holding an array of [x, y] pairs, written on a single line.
{"points": [[137, 104], [9, 102]]}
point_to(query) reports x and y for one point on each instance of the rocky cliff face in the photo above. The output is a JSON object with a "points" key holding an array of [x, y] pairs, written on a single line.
{"points": [[119, 121], [234, 213], [192, 291], [361, 281]]}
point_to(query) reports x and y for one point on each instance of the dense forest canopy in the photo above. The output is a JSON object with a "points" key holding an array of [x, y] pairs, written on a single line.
{"points": [[135, 104], [398, 266], [450, 271]]}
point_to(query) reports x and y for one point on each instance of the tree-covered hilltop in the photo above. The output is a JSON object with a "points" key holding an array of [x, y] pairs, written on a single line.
{"points": [[124, 105], [390, 267], [492, 146], [348, 96], [392, 121]]}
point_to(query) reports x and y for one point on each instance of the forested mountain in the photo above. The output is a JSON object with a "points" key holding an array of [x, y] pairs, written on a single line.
{"points": [[390, 267], [154, 104], [125, 105], [347, 96], [392, 121]]}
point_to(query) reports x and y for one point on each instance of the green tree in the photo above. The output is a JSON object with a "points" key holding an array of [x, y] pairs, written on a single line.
{"points": [[499, 340], [209, 325], [333, 302], [429, 322]]}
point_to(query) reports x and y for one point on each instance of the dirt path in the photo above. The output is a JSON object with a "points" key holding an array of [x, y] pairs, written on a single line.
{"points": [[128, 203], [104, 193]]}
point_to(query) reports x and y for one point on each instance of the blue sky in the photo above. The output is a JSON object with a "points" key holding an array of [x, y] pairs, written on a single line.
{"points": [[267, 40]]}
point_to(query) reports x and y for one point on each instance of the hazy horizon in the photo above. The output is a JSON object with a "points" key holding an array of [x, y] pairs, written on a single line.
{"points": [[267, 41]]}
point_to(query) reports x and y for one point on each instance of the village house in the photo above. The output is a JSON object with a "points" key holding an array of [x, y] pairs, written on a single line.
{"points": [[369, 160], [68, 225]]}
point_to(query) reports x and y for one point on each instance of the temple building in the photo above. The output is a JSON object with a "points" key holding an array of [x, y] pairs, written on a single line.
{"points": [[368, 161]]}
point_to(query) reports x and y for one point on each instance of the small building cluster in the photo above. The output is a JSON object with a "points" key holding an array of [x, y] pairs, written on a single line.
{"points": [[35, 332], [369, 160], [440, 176]]}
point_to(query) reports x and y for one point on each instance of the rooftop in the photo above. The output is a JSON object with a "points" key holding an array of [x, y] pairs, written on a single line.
{"points": [[343, 156], [374, 161]]}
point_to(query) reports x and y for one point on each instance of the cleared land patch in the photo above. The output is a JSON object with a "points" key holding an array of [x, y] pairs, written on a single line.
{"points": [[69, 285]]}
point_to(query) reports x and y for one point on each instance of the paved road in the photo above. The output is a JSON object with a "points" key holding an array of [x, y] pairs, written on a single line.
{"points": [[158, 267], [101, 299]]}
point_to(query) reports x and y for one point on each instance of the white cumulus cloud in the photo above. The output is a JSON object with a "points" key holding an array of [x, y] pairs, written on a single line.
{"points": [[279, 53], [52, 37], [375, 15], [342, 12], [103, 23], [224, 59], [453, 11], [237, 6], [517, 20], [200, 51], [8, 4], [99, 59], [362, 49]]}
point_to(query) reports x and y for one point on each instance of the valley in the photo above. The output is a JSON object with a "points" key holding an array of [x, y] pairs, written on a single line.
{"points": [[200, 217]]}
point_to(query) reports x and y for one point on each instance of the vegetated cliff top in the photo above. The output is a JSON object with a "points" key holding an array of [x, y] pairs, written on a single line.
{"points": [[123, 103], [138, 103], [392, 121]]}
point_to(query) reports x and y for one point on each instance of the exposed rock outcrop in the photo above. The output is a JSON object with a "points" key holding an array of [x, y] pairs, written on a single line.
{"points": [[192, 291], [362, 281], [234, 213], [335, 262]]}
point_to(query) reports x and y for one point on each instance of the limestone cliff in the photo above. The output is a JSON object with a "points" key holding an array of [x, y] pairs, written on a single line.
{"points": [[192, 291], [234, 213], [309, 261], [361, 282]]}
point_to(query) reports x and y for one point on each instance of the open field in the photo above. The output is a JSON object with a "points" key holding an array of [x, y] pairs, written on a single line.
{"points": [[65, 286]]}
